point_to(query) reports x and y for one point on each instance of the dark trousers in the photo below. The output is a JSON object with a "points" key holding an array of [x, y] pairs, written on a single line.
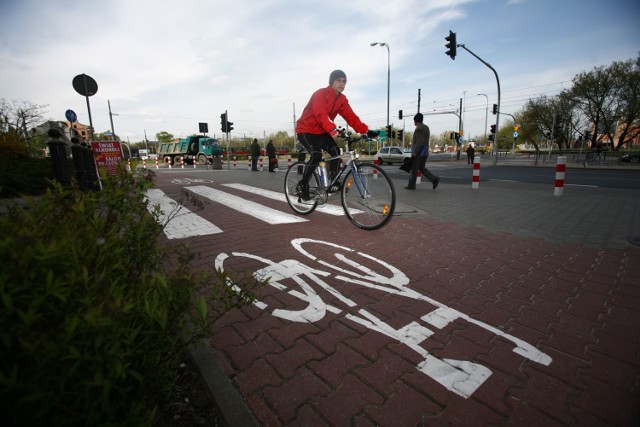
{"points": [[254, 163], [419, 164], [315, 144]]}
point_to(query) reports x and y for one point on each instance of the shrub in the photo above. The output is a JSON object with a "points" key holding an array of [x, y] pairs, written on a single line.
{"points": [[93, 308]]}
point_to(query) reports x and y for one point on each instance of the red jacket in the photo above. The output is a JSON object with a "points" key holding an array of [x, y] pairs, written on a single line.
{"points": [[323, 107]]}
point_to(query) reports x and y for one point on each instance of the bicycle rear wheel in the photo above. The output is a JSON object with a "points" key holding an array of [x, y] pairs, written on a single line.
{"points": [[291, 180], [368, 197]]}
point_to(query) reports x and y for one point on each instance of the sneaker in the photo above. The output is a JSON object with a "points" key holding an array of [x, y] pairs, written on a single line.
{"points": [[303, 193], [409, 188], [435, 183]]}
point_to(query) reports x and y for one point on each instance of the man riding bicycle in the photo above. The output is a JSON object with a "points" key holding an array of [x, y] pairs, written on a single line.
{"points": [[316, 130]]}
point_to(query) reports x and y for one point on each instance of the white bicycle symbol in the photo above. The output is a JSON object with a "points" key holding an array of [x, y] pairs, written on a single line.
{"points": [[459, 376]]}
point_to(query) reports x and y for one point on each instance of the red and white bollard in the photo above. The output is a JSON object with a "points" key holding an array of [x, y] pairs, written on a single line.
{"points": [[261, 164], [129, 163], [144, 163], [289, 161], [169, 162], [375, 171], [157, 166], [235, 159], [194, 162], [182, 162], [561, 166], [249, 163], [476, 172], [419, 177]]}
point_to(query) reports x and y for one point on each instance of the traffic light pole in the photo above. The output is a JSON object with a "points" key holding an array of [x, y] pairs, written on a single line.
{"points": [[495, 143]]}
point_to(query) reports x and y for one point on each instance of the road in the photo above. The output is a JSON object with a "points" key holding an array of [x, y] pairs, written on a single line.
{"points": [[498, 305], [460, 173]]}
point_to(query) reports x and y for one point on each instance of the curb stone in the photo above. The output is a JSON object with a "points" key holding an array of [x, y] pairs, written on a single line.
{"points": [[229, 403]]}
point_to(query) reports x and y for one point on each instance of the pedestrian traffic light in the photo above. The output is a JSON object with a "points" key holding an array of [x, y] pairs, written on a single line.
{"points": [[400, 134], [451, 45], [400, 114], [223, 122], [495, 108], [492, 135]]}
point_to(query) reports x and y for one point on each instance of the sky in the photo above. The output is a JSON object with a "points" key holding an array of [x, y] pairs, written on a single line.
{"points": [[168, 66]]}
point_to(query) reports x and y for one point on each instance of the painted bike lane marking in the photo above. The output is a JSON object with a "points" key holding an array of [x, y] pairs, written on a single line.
{"points": [[256, 210], [178, 221], [459, 376]]}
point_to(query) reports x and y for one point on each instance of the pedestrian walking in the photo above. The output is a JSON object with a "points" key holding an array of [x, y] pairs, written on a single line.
{"points": [[471, 152], [255, 153], [420, 153], [271, 153]]}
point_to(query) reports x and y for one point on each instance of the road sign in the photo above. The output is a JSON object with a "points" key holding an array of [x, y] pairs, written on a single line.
{"points": [[85, 85], [71, 116], [515, 134]]}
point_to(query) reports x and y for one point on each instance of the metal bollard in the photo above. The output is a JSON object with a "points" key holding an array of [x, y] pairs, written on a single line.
{"points": [[58, 153], [78, 163]]}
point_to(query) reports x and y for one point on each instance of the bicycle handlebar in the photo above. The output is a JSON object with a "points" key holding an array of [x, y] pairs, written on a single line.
{"points": [[351, 137]]}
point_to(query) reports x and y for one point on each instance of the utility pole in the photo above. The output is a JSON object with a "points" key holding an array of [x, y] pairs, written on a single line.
{"points": [[419, 100], [495, 143]]}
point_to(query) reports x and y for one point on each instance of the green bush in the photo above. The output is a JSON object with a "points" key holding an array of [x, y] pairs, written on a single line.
{"points": [[25, 176], [93, 307]]}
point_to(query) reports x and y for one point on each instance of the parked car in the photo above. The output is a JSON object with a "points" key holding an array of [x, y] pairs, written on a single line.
{"points": [[393, 155], [630, 157]]}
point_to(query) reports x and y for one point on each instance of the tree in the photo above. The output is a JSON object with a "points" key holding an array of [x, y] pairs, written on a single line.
{"points": [[627, 109], [164, 136], [16, 122], [594, 93]]}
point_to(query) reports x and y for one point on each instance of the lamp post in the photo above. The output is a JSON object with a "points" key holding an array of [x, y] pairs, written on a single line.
{"points": [[486, 114], [388, 79]]}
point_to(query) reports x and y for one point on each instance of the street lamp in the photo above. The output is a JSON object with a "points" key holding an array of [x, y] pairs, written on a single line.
{"points": [[486, 114], [388, 79]]}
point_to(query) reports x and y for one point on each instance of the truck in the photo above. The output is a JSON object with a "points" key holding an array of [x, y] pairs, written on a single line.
{"points": [[198, 148]]}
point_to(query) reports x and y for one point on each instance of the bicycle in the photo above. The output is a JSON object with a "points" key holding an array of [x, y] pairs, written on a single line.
{"points": [[366, 192]]}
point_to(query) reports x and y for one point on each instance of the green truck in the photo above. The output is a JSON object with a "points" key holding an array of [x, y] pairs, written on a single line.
{"points": [[200, 149]]}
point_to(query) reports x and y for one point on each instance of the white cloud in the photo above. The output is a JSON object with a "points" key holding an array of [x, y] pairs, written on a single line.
{"points": [[167, 66]]}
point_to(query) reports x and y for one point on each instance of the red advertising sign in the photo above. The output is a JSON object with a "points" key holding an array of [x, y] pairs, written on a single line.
{"points": [[107, 155]]}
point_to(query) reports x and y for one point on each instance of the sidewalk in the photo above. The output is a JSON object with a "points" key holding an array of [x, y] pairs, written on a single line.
{"points": [[556, 273]]}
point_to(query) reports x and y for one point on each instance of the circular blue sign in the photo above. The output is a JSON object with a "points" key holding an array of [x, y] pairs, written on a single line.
{"points": [[71, 116]]}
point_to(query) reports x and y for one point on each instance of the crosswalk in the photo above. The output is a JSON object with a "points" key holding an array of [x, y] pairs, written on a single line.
{"points": [[180, 222]]}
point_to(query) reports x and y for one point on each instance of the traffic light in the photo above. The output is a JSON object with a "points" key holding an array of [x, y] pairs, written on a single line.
{"points": [[229, 126], [492, 134], [223, 122], [451, 45], [400, 134], [393, 134], [495, 108], [400, 114], [388, 132]]}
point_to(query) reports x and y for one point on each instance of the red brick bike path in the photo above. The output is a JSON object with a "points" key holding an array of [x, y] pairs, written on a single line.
{"points": [[578, 305]]}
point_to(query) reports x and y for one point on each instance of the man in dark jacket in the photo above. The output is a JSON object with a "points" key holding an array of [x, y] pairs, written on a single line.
{"points": [[255, 153], [420, 153], [271, 153]]}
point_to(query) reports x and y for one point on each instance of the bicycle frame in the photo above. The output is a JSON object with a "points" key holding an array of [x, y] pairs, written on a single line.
{"points": [[351, 163]]}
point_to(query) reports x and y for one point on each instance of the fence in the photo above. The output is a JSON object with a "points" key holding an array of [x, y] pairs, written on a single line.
{"points": [[574, 158]]}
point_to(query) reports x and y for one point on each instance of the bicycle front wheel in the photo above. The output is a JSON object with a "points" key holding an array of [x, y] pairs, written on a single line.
{"points": [[291, 190], [368, 196]]}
